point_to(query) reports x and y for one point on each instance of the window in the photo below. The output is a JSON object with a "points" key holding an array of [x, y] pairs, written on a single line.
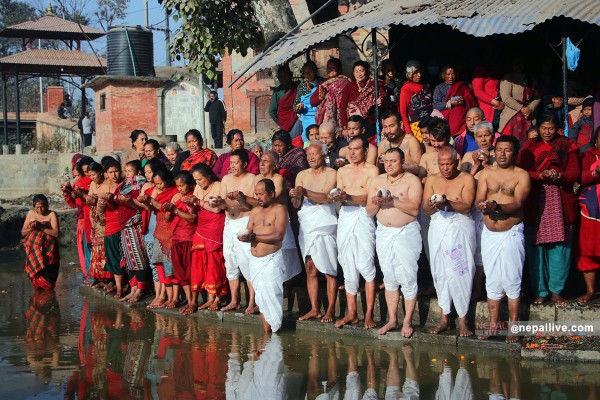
{"points": [[102, 102]]}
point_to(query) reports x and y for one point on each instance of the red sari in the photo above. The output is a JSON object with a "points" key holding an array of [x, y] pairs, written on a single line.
{"points": [[588, 251], [456, 115], [286, 115], [163, 232], [329, 107], [206, 156], [208, 263]]}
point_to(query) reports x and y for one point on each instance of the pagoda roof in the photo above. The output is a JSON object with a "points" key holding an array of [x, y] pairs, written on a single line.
{"points": [[51, 27], [48, 62]]}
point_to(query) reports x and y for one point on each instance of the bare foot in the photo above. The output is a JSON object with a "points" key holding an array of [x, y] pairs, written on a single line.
{"points": [[182, 309], [251, 310], [231, 306], [126, 298], [512, 338], [540, 300], [559, 300], [161, 304], [329, 316], [442, 327], [119, 294], [135, 297], [215, 305], [407, 329], [348, 319], [171, 304], [205, 305], [111, 287], [463, 329], [154, 303], [589, 296], [310, 315], [190, 309], [388, 327]]}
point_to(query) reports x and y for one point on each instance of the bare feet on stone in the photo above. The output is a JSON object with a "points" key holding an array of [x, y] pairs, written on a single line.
{"points": [[135, 296], [231, 306], [559, 300], [329, 317], [540, 300], [251, 309], [463, 329], [407, 329], [586, 298], [348, 319], [512, 338], [310, 315], [190, 309], [442, 327], [390, 326], [369, 322], [215, 305]]}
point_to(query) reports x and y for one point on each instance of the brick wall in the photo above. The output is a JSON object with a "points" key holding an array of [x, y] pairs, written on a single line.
{"points": [[55, 96], [126, 108]]}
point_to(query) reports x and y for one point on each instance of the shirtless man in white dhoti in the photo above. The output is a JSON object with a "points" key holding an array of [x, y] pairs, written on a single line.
{"points": [[501, 195], [398, 239], [391, 124], [234, 186], [356, 230], [268, 162], [448, 198], [265, 231], [318, 228]]}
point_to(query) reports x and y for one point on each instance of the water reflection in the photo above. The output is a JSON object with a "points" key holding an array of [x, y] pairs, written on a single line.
{"points": [[138, 354], [42, 321]]}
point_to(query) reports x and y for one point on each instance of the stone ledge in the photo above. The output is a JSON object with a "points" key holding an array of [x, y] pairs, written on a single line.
{"points": [[561, 355]]}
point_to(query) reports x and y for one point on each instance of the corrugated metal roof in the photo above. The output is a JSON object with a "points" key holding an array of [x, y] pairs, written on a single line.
{"points": [[474, 17], [51, 27]]}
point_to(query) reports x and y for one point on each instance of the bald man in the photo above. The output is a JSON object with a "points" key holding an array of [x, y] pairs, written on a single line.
{"points": [[318, 228], [448, 198], [334, 143], [356, 230]]}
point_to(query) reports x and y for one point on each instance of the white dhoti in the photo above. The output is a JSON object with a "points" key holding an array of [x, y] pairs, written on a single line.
{"points": [[424, 221], [503, 257], [270, 372], [291, 265], [451, 248], [398, 250], [409, 391], [478, 220], [236, 253], [234, 370], [353, 388], [267, 279], [356, 246], [317, 238], [462, 388]]}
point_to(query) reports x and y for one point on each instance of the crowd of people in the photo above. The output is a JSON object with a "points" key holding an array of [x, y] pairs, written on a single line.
{"points": [[468, 174]]}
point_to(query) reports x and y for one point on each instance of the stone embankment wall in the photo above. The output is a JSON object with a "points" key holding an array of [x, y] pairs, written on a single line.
{"points": [[57, 134]]}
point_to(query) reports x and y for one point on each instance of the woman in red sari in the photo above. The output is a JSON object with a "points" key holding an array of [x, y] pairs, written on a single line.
{"points": [[553, 165], [208, 263], [415, 99], [163, 191], [40, 240], [358, 97], [195, 153], [588, 251], [328, 95], [98, 227], [73, 197], [453, 99]]}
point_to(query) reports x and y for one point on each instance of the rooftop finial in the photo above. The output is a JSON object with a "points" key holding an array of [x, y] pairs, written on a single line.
{"points": [[50, 11]]}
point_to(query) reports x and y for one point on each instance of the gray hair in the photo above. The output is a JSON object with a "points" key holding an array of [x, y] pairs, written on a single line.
{"points": [[320, 145], [274, 156], [412, 66], [449, 150], [484, 125], [173, 146]]}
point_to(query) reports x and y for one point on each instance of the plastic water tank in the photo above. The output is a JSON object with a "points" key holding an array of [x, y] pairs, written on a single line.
{"points": [[130, 51]]}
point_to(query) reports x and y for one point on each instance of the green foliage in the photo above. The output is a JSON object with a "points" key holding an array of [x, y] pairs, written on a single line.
{"points": [[52, 143], [209, 28], [12, 12], [110, 11]]}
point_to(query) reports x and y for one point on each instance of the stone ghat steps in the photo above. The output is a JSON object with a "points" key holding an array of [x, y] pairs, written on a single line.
{"points": [[426, 316]]}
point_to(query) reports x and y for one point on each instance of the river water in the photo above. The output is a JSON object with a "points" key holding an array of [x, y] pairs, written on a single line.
{"points": [[65, 345]]}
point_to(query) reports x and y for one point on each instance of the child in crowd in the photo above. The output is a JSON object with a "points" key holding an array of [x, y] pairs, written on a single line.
{"points": [[581, 131], [182, 219]]}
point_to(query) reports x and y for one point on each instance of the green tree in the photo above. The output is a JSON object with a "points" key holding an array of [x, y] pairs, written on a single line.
{"points": [[209, 28]]}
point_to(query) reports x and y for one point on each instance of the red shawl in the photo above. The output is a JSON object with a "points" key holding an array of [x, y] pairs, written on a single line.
{"points": [[183, 207], [210, 230], [206, 156], [285, 110], [329, 107], [163, 230], [84, 184], [456, 115]]}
